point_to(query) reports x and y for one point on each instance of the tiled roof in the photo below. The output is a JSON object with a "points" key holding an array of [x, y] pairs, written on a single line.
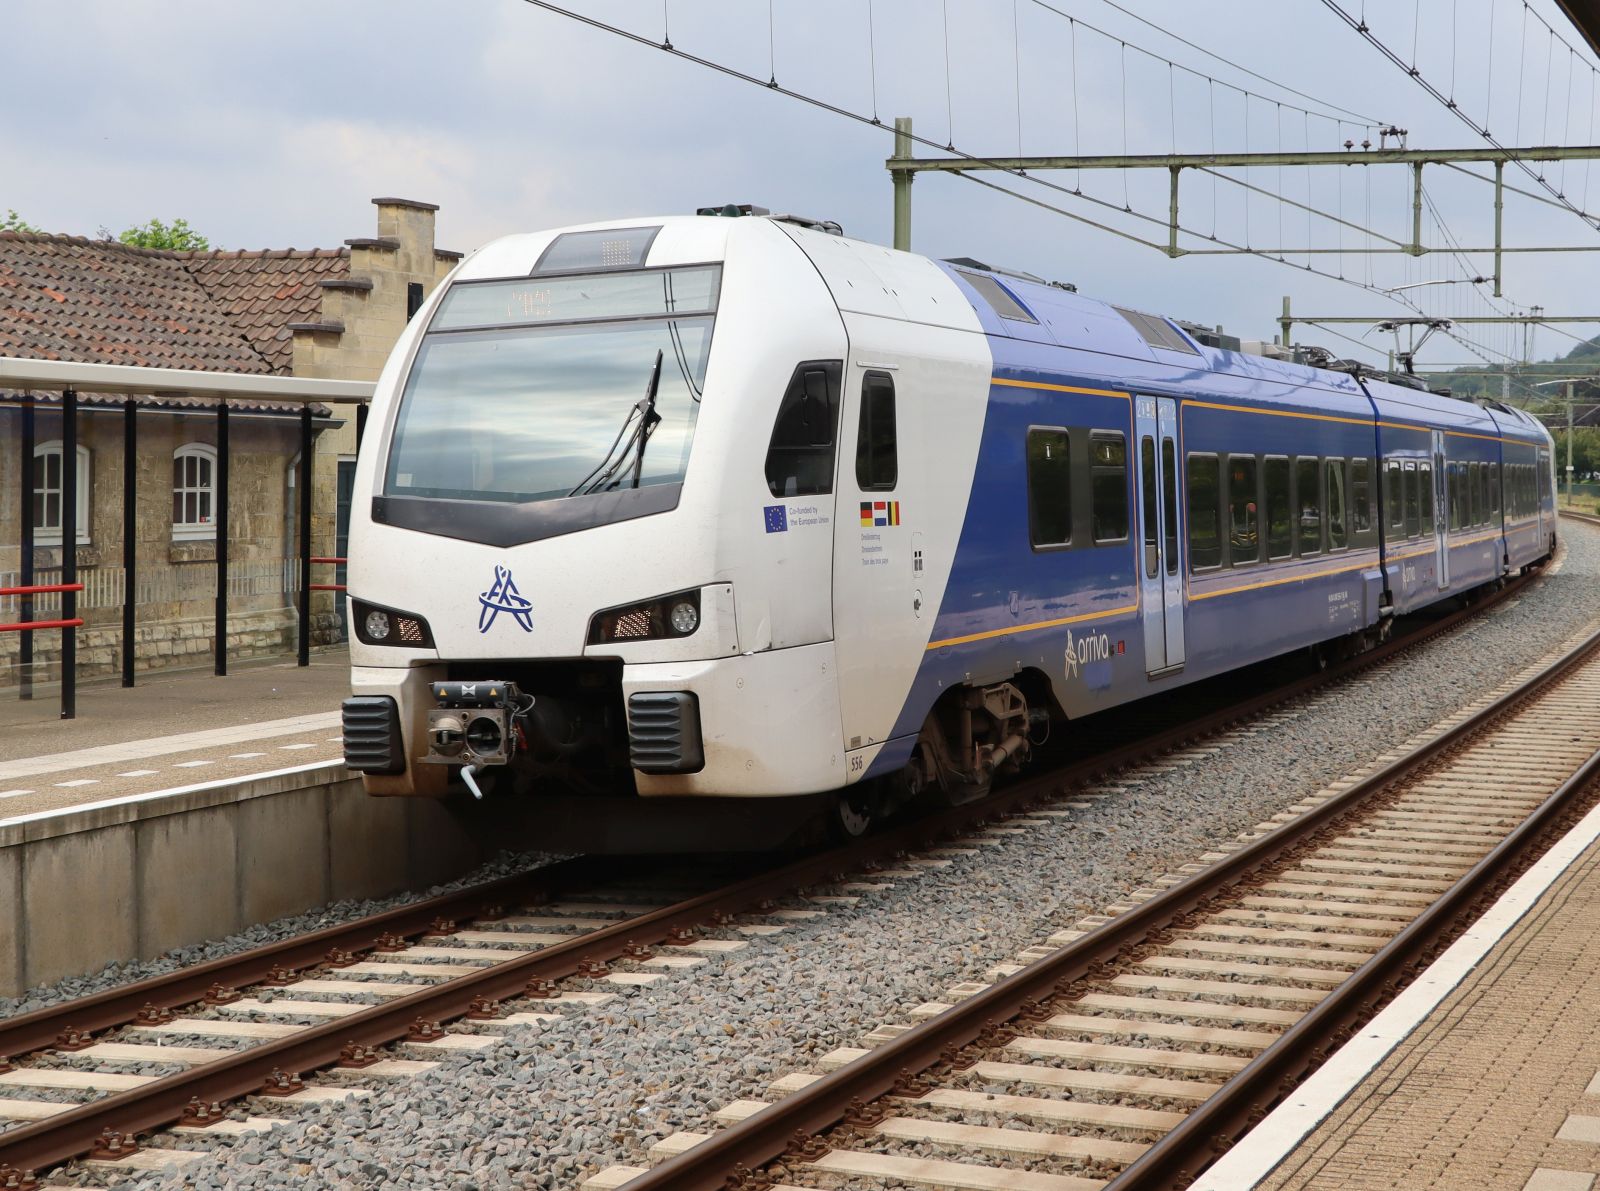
{"points": [[262, 293], [100, 302]]}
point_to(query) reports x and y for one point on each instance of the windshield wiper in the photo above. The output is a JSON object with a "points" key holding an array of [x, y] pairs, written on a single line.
{"points": [[645, 410]]}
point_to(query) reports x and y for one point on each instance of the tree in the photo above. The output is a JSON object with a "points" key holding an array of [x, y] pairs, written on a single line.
{"points": [[15, 223], [177, 236]]}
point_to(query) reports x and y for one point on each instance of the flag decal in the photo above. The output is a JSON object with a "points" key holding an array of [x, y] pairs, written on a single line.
{"points": [[880, 512]]}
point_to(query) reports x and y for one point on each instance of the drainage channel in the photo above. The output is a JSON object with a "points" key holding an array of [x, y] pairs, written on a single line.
{"points": [[462, 957], [1134, 1054]]}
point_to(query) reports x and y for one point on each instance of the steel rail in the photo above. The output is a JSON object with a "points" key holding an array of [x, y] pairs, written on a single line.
{"points": [[766, 1135], [41, 1144]]}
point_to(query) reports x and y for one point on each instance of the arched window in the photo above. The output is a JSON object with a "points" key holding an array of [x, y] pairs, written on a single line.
{"points": [[48, 495], [194, 477]]}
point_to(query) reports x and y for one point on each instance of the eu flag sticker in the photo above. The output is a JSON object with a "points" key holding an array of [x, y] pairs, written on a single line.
{"points": [[777, 518]]}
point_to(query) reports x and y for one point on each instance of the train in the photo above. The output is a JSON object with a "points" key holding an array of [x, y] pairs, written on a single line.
{"points": [[732, 507]]}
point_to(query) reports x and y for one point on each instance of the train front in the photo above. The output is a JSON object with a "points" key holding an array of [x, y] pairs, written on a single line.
{"points": [[554, 579]]}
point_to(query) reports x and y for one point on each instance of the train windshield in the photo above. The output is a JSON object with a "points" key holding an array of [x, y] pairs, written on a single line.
{"points": [[521, 387]]}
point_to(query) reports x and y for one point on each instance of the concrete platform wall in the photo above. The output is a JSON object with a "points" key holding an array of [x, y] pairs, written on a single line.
{"points": [[132, 879]]}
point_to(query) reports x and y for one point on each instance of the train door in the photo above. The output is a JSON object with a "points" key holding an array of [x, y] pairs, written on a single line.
{"points": [[1160, 570], [1441, 505], [1546, 490]]}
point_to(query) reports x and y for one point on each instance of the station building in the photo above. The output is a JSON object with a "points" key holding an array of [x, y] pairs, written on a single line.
{"points": [[331, 313]]}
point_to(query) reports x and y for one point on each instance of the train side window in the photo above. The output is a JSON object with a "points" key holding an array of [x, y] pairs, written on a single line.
{"points": [[1108, 479], [1494, 491], [1454, 474], [1361, 499], [1169, 469], [1413, 507], [1483, 492], [1394, 489], [1049, 488], [1204, 490], [1280, 508], [800, 455], [1147, 482], [1425, 497], [1244, 521], [1474, 513], [1338, 537], [1308, 495], [877, 463]]}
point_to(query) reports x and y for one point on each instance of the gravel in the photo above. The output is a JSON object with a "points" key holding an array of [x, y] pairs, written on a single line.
{"points": [[554, 1103]]}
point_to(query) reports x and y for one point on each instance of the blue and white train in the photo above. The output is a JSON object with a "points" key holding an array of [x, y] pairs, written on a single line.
{"points": [[739, 507]]}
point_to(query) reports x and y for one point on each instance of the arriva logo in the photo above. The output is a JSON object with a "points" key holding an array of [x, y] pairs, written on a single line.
{"points": [[503, 596], [1083, 651]]}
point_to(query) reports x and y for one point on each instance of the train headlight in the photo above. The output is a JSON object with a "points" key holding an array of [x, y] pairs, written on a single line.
{"points": [[676, 615], [685, 618], [375, 625]]}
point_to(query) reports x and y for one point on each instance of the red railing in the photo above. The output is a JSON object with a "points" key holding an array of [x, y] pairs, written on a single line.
{"points": [[41, 589], [329, 586]]}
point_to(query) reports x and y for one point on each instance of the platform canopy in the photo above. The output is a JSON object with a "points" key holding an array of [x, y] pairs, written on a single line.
{"points": [[23, 373]]}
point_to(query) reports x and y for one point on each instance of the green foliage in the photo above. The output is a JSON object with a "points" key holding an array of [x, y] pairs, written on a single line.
{"points": [[1585, 452], [177, 236], [15, 223]]}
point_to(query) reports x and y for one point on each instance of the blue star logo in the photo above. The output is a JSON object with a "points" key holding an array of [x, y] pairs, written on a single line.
{"points": [[502, 596]]}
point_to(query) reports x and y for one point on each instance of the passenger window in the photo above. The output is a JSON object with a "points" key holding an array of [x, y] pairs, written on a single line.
{"points": [[800, 455], [1049, 488], [1169, 471], [1337, 539], [1309, 497], [1494, 491], [1361, 498], [877, 464], [1244, 526], [1147, 478], [1425, 497], [1482, 470], [1280, 508], [1108, 477], [1453, 473], [1205, 538], [1474, 509], [1395, 496], [1413, 507]]}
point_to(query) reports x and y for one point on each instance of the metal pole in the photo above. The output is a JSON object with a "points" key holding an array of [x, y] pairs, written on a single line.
{"points": [[1286, 322], [1499, 208], [130, 533], [304, 657], [902, 185], [69, 550], [1415, 247], [1569, 444], [220, 631], [1172, 216], [25, 645]]}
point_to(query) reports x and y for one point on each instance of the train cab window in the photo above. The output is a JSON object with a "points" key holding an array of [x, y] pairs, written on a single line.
{"points": [[1413, 504], [877, 464], [1394, 498], [800, 455], [1169, 469], [1108, 480], [1425, 497], [1280, 508], [1149, 487], [1205, 534], [1049, 488], [1244, 521], [1361, 500], [1308, 496], [1338, 530]]}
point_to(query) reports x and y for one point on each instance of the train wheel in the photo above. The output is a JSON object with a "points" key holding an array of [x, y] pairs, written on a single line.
{"points": [[851, 815]]}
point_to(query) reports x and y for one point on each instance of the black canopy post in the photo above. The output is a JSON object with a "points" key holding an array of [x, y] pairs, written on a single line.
{"points": [[361, 424], [304, 658], [69, 550], [220, 520], [130, 529], [25, 643]]}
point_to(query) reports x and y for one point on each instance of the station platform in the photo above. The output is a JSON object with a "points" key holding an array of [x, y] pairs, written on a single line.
{"points": [[170, 730], [1484, 1073]]}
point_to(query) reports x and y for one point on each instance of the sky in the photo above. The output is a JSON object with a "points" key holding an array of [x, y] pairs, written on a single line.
{"points": [[274, 125]]}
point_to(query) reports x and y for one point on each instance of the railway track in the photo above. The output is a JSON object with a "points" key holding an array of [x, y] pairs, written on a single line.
{"points": [[481, 956], [1139, 1049]]}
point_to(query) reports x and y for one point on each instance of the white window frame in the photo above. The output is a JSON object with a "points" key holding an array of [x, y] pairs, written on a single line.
{"points": [[197, 531], [52, 537]]}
